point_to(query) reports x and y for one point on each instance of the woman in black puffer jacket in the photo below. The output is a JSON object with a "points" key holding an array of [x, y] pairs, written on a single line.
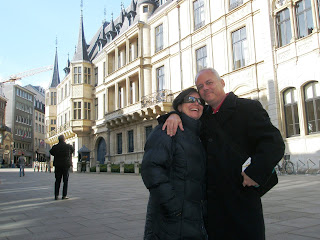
{"points": [[174, 170]]}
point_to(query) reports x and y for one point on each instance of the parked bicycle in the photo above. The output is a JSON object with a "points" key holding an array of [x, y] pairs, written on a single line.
{"points": [[285, 166]]}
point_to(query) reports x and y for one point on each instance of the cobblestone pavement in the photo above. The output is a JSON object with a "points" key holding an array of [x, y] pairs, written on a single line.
{"points": [[113, 206]]}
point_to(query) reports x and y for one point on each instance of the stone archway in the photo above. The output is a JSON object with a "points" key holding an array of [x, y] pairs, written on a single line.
{"points": [[101, 150]]}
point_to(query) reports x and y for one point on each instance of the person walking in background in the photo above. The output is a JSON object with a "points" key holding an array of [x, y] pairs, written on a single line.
{"points": [[242, 147], [22, 163], [174, 171], [62, 161]]}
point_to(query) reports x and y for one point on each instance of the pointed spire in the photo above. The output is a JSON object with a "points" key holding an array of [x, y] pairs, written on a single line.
{"points": [[55, 77], [112, 24], [122, 13], [67, 68], [133, 6], [81, 51]]}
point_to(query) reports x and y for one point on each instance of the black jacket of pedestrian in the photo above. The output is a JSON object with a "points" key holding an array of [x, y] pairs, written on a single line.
{"points": [[173, 169], [62, 154], [235, 212]]}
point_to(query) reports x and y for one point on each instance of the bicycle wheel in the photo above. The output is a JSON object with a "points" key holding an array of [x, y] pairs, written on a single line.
{"points": [[289, 167]]}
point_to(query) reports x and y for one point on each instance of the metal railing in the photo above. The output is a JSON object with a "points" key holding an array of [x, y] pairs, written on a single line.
{"points": [[60, 129], [154, 98]]}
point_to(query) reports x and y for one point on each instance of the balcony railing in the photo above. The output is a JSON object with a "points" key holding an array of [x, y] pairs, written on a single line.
{"points": [[154, 98], [60, 129]]}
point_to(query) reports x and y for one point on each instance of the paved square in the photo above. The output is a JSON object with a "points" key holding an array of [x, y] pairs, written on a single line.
{"points": [[113, 207]]}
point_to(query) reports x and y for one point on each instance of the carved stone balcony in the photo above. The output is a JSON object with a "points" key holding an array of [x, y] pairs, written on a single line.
{"points": [[66, 130], [150, 107]]}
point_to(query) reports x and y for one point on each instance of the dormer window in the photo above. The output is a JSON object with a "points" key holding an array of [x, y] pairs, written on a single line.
{"points": [[145, 9]]}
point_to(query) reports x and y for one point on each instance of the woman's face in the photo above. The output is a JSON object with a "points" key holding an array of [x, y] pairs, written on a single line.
{"points": [[192, 109]]}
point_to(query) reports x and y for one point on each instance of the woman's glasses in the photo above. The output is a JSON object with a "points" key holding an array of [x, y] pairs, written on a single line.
{"points": [[191, 99]]}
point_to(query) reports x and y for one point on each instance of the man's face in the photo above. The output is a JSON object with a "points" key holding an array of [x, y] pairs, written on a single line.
{"points": [[210, 88]]}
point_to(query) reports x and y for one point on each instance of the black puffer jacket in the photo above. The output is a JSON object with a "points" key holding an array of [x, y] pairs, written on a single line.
{"points": [[174, 170]]}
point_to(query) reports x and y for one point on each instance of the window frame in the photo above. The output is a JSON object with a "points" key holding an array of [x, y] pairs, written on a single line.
{"points": [[119, 143], [198, 14], [304, 12], [160, 76], [158, 31], [282, 24], [293, 108], [240, 44], [201, 57], [77, 110], [130, 141], [315, 100]]}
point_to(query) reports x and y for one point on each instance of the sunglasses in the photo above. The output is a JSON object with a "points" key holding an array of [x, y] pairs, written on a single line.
{"points": [[190, 99]]}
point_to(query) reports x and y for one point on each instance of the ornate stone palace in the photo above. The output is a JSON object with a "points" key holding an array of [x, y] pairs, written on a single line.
{"points": [[128, 74]]}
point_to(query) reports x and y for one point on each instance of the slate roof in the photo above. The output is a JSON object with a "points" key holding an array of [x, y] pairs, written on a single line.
{"points": [[81, 52]]}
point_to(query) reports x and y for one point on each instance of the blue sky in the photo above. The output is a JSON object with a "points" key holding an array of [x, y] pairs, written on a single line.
{"points": [[28, 31]]}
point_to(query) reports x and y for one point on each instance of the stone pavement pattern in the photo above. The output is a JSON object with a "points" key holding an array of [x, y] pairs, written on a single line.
{"points": [[113, 207]]}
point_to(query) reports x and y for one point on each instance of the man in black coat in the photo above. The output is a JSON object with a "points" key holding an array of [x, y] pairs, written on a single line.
{"points": [[62, 161], [235, 132]]}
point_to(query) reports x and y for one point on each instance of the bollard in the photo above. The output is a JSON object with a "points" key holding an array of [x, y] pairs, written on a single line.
{"points": [[136, 167], [108, 166], [97, 167], [121, 167], [88, 166], [78, 166]]}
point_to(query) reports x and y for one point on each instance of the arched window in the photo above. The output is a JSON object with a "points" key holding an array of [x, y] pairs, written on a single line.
{"points": [[312, 105], [291, 112]]}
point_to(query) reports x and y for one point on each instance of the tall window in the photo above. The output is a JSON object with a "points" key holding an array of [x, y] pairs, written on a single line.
{"points": [[239, 47], [96, 107], [291, 112], [304, 18], [66, 90], [96, 76], [76, 75], [283, 27], [121, 97], [312, 102], [159, 37], [130, 141], [234, 4], [53, 98], [119, 143], [148, 131], [198, 13], [87, 75], [160, 78], [201, 58], [87, 110], [77, 110], [61, 94]]}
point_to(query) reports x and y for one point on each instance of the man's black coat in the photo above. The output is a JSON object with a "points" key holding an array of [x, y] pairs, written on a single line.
{"points": [[62, 154], [235, 212]]}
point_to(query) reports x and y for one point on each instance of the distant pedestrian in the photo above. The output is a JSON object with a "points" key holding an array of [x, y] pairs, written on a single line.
{"points": [[22, 163], [62, 161]]}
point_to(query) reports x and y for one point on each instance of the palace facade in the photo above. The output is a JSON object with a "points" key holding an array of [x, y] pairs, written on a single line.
{"points": [[128, 74]]}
